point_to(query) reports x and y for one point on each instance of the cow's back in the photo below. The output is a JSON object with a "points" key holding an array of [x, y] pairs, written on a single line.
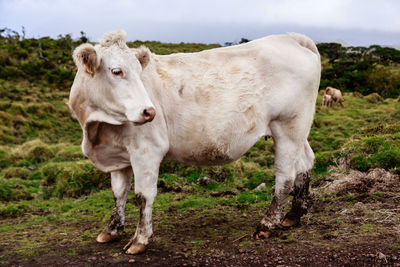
{"points": [[222, 98]]}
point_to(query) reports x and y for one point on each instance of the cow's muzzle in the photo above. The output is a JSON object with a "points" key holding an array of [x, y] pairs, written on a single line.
{"points": [[148, 114]]}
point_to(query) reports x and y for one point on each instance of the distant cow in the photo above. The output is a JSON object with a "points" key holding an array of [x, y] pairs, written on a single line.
{"points": [[327, 100], [137, 109], [336, 95]]}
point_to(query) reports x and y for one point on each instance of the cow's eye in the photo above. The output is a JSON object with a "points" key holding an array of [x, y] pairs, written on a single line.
{"points": [[117, 72]]}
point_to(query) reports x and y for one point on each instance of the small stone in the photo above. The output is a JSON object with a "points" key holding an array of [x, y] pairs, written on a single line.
{"points": [[260, 187], [115, 255], [343, 211], [382, 256], [359, 205], [131, 261]]}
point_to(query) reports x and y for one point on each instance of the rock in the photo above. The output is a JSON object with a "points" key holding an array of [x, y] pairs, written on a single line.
{"points": [[131, 261], [344, 211], [382, 256], [204, 181], [260, 186], [359, 205], [115, 255]]}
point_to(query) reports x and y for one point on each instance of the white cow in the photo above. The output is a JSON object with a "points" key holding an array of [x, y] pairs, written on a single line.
{"points": [[137, 109], [327, 100]]}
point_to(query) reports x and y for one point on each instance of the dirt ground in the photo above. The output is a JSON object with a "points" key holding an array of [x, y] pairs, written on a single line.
{"points": [[271, 254], [354, 221]]}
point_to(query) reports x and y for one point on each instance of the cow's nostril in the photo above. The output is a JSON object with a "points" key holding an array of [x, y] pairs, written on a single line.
{"points": [[149, 113]]}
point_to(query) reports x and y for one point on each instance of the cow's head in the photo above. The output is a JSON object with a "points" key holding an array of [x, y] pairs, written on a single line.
{"points": [[108, 86]]}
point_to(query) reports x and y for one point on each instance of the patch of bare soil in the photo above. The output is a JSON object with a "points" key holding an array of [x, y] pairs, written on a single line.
{"points": [[266, 254], [356, 182]]}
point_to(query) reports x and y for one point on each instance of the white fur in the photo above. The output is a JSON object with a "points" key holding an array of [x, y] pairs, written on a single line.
{"points": [[327, 100], [211, 107]]}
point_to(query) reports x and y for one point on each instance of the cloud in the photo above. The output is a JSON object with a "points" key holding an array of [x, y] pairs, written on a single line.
{"points": [[203, 21]]}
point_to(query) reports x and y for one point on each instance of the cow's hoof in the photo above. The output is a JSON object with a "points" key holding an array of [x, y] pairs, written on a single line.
{"points": [[289, 222], [105, 237], [262, 234], [136, 249]]}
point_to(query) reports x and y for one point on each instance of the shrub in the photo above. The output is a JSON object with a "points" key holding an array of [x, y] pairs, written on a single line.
{"points": [[71, 179], [12, 210], [16, 172], [373, 98], [382, 151], [12, 189]]}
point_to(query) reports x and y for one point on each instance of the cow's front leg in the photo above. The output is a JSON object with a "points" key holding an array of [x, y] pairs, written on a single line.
{"points": [[120, 184], [146, 174]]}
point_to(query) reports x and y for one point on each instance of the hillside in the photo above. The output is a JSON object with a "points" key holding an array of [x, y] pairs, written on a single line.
{"points": [[50, 195]]}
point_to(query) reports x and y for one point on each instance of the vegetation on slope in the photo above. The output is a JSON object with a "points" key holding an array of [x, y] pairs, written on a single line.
{"points": [[40, 141], [47, 184]]}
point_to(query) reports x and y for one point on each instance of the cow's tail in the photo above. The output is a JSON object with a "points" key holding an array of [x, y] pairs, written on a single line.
{"points": [[304, 41]]}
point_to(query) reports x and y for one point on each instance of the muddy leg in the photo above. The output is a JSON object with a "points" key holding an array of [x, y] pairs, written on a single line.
{"points": [[301, 200], [146, 175], [287, 151], [273, 216], [144, 229], [121, 184]]}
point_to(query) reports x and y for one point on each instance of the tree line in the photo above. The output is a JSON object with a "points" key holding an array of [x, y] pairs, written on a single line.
{"points": [[366, 70]]}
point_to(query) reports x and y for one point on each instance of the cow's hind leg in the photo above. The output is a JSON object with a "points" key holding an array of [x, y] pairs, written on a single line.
{"points": [[301, 199], [289, 138], [121, 184]]}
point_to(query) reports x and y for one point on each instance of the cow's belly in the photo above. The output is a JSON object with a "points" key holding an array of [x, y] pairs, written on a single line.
{"points": [[208, 151]]}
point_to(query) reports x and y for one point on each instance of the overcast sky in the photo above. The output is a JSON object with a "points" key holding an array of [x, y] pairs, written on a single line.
{"points": [[356, 22]]}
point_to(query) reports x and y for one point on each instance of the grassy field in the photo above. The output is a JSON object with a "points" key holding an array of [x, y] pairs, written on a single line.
{"points": [[53, 202]]}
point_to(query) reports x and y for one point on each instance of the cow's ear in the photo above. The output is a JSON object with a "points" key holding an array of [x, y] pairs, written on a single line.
{"points": [[85, 56], [143, 55]]}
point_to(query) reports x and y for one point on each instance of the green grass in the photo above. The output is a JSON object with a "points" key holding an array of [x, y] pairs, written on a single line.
{"points": [[366, 133], [47, 185]]}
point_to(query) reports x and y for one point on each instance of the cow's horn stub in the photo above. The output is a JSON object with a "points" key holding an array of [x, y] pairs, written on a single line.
{"points": [[111, 38]]}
